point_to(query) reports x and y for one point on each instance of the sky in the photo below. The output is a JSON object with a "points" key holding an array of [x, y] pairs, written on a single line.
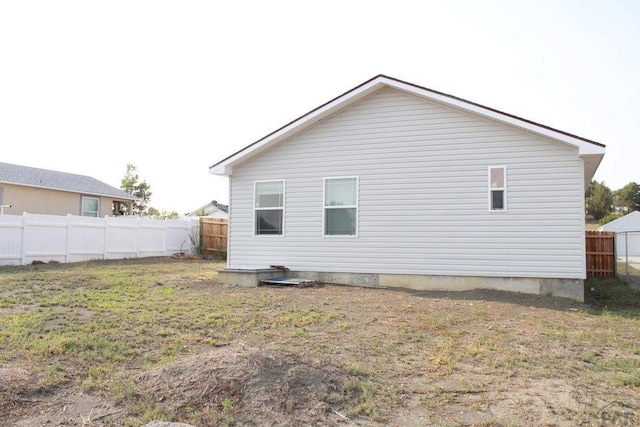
{"points": [[173, 87]]}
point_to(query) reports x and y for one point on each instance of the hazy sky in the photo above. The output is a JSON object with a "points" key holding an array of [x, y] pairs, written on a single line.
{"points": [[173, 87]]}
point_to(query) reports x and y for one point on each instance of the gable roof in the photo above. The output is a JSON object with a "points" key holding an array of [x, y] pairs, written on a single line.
{"points": [[629, 222], [591, 151], [54, 180], [209, 208]]}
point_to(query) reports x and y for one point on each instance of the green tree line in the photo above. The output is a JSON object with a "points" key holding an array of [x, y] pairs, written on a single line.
{"points": [[606, 205]]}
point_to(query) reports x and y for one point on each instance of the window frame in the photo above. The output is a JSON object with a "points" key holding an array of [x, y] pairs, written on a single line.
{"points": [[503, 188], [325, 207], [282, 208], [82, 210]]}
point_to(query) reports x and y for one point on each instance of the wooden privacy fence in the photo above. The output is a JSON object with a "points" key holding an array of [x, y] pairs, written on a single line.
{"points": [[601, 255], [28, 238], [213, 237]]}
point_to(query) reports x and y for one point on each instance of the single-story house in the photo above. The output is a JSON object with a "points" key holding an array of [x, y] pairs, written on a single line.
{"points": [[212, 209], [627, 229], [49, 192], [394, 184]]}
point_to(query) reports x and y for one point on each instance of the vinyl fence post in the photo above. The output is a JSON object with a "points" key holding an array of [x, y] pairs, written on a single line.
{"points": [[23, 249], [67, 250], [626, 252], [138, 237], [106, 235]]}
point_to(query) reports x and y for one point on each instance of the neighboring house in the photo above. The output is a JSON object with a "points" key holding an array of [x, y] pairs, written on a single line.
{"points": [[627, 229], [43, 191], [212, 210], [394, 184]]}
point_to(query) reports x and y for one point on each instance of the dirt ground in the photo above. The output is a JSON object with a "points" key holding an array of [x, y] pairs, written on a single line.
{"points": [[378, 357]]}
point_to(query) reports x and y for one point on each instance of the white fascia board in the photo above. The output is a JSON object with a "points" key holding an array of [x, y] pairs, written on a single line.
{"points": [[225, 167]]}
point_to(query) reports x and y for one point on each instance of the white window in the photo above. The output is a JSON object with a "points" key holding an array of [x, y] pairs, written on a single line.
{"points": [[341, 206], [269, 207], [497, 188], [90, 206]]}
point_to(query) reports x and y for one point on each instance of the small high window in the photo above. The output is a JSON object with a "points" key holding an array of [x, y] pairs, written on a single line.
{"points": [[341, 206], [497, 188], [90, 206], [269, 207]]}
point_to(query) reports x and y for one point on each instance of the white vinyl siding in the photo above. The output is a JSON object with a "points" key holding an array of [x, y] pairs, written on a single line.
{"points": [[340, 206], [269, 208], [422, 196], [90, 206]]}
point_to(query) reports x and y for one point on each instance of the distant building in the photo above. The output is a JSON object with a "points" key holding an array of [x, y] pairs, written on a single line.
{"points": [[212, 209], [49, 192]]}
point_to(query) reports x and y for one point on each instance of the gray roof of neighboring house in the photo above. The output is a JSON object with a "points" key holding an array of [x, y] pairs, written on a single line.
{"points": [[210, 208], [45, 178]]}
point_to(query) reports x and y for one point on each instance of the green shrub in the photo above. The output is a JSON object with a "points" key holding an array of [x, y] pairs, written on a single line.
{"points": [[608, 218]]}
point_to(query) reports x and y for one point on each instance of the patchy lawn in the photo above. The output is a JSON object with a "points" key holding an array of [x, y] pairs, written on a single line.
{"points": [[126, 342]]}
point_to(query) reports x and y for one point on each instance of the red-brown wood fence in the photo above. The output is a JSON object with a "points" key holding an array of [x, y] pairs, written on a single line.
{"points": [[601, 255], [213, 237]]}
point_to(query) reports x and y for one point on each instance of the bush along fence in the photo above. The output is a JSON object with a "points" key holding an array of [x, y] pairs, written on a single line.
{"points": [[46, 238]]}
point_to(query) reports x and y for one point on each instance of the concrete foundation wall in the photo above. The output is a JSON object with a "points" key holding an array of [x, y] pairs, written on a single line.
{"points": [[567, 288], [247, 278]]}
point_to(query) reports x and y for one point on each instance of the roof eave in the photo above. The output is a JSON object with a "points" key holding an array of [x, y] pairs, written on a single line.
{"points": [[225, 166], [66, 190]]}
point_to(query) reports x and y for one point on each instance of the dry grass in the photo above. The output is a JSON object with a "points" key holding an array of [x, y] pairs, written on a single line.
{"points": [[391, 357]]}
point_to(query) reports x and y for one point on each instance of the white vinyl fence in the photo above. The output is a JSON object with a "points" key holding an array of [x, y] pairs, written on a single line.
{"points": [[28, 238]]}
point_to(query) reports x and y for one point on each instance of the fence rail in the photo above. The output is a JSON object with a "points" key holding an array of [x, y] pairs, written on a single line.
{"points": [[601, 256], [28, 238]]}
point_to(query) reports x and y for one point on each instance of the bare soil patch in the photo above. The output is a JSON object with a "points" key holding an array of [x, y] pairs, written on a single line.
{"points": [[261, 387]]}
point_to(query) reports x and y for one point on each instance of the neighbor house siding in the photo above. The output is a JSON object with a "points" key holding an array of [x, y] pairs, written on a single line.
{"points": [[50, 202], [422, 176]]}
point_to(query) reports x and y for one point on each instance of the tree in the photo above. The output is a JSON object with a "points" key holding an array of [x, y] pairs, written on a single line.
{"points": [[163, 214], [140, 189], [628, 197], [598, 200]]}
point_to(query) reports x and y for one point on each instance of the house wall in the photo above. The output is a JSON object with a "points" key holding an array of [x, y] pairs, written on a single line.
{"points": [[47, 202], [629, 241], [423, 196], [216, 214]]}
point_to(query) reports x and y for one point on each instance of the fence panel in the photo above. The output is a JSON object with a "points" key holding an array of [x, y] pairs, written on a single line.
{"points": [[628, 252], [601, 257], [213, 237], [28, 238], [10, 239], [86, 239]]}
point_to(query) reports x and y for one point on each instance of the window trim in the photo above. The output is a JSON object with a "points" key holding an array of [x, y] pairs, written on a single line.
{"points": [[82, 211], [325, 207], [503, 188], [253, 202]]}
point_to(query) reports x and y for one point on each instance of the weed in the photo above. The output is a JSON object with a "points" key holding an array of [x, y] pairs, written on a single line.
{"points": [[365, 399], [227, 406], [629, 380], [358, 370]]}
